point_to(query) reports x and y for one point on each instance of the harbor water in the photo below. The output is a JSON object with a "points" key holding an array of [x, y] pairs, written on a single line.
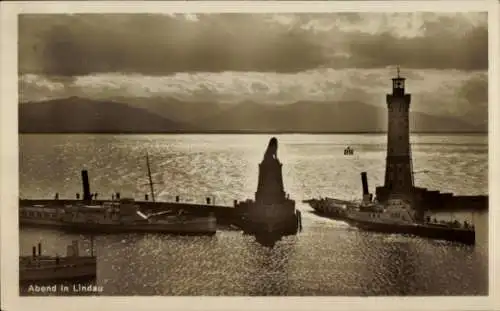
{"points": [[327, 258]]}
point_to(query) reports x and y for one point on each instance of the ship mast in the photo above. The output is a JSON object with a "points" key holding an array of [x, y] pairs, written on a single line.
{"points": [[150, 178]]}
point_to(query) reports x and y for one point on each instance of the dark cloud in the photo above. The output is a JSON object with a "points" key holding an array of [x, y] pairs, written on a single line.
{"points": [[70, 45], [158, 45], [462, 51]]}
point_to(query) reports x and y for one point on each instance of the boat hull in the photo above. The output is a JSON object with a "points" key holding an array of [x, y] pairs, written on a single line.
{"points": [[432, 232], [334, 216], [323, 210], [68, 269], [199, 228], [191, 230], [225, 215]]}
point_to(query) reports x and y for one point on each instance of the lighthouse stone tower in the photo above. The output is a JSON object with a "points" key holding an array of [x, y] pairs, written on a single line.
{"points": [[399, 169]]}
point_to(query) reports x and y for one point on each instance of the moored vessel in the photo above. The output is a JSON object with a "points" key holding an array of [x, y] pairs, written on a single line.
{"points": [[116, 216], [39, 268]]}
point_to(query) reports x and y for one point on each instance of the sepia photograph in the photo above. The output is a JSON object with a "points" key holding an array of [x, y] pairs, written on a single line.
{"points": [[341, 154]]}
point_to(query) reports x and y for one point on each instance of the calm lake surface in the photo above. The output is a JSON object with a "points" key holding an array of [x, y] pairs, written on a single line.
{"points": [[327, 258]]}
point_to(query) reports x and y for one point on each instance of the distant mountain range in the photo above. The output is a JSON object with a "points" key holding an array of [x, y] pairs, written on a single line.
{"points": [[79, 115], [160, 115]]}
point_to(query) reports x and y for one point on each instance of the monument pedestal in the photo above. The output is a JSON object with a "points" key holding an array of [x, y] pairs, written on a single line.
{"points": [[272, 214]]}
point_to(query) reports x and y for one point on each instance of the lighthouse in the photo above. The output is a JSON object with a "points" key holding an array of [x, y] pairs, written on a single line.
{"points": [[398, 169]]}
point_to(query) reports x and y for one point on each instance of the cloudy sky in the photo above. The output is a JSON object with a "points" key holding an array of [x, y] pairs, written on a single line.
{"points": [[264, 58]]}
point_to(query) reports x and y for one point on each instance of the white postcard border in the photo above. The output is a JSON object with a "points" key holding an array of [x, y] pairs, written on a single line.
{"points": [[9, 179]]}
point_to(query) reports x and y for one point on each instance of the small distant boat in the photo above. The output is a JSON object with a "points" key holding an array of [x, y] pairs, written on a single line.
{"points": [[348, 151]]}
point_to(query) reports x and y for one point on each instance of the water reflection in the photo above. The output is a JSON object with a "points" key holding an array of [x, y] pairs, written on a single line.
{"points": [[269, 268], [397, 264], [328, 258], [268, 240]]}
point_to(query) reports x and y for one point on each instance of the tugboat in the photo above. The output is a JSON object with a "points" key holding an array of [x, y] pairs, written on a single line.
{"points": [[272, 214]]}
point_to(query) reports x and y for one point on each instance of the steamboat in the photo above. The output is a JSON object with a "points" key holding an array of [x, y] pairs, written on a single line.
{"points": [[115, 217], [119, 215], [397, 216]]}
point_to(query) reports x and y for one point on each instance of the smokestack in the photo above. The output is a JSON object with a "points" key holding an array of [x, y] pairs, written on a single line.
{"points": [[75, 247], [39, 249], [86, 186], [364, 181]]}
